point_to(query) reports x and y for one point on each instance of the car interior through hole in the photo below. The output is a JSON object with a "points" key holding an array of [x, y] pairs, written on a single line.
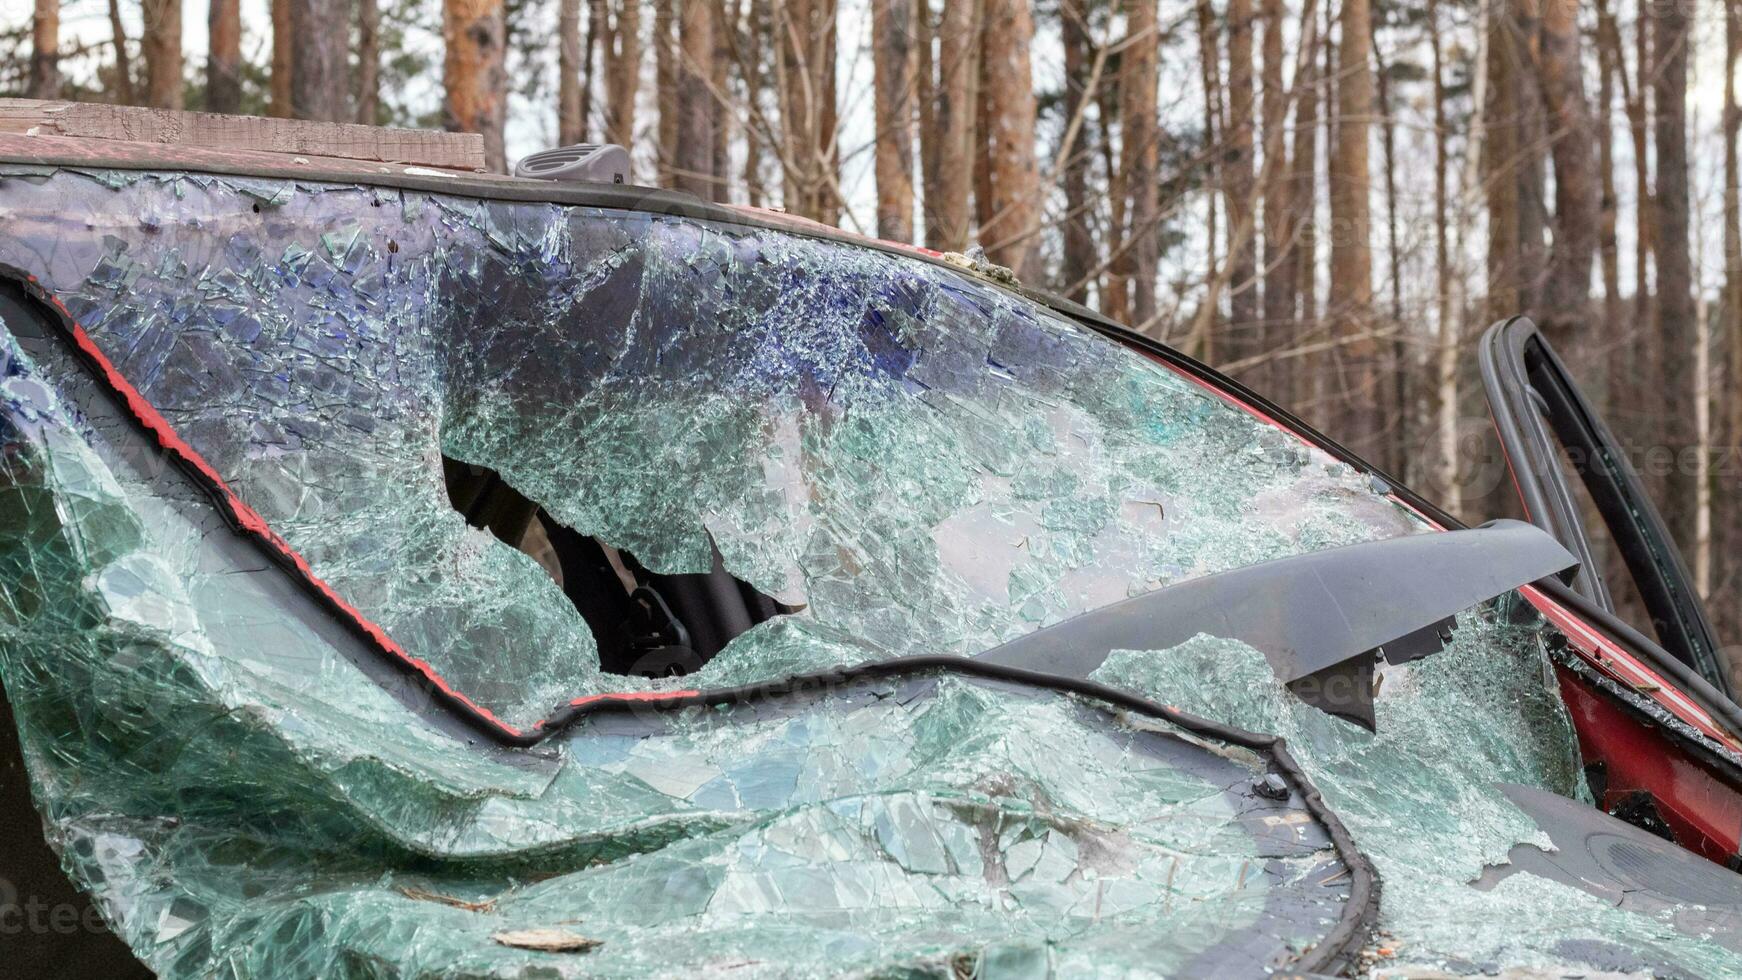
{"points": [[645, 623]]}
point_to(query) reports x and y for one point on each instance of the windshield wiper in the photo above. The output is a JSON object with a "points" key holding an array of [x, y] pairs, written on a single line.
{"points": [[1318, 617]]}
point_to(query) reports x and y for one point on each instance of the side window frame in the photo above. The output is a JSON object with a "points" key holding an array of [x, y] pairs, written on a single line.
{"points": [[1539, 413]]}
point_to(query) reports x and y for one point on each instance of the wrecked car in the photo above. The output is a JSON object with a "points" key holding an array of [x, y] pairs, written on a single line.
{"points": [[420, 574]]}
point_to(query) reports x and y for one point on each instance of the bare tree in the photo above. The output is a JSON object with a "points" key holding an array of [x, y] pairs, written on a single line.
{"points": [[1244, 331], [1675, 299], [161, 44], [474, 75], [1576, 194], [571, 118], [1139, 157], [1009, 235], [665, 72], [123, 63], [622, 50], [1279, 273], [946, 204], [318, 69], [1302, 197], [1079, 241], [45, 51], [282, 60], [693, 165], [368, 94], [1355, 391], [893, 63], [224, 56]]}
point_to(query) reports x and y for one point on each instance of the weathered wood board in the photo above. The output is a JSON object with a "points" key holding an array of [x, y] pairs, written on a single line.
{"points": [[254, 134]]}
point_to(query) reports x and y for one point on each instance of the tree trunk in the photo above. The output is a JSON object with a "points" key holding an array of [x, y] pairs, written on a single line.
{"points": [[1675, 301], [1355, 391], [1443, 476], [161, 44], [1500, 153], [1012, 235], [623, 78], [1303, 221], [694, 163], [720, 82], [224, 56], [571, 120], [930, 137], [282, 62], [893, 64], [368, 62], [318, 72], [1203, 345], [1396, 419], [665, 60], [1607, 248], [473, 73], [1139, 156], [756, 39], [1279, 273], [1565, 301], [1245, 334], [1727, 598], [123, 63], [45, 51], [1078, 261], [958, 73]]}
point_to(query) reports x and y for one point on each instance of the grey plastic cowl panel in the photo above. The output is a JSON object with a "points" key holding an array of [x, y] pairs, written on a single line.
{"points": [[1311, 615]]}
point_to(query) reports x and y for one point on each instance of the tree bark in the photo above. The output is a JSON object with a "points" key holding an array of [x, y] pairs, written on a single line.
{"points": [[1245, 334], [893, 65], [1565, 302], [282, 61], [224, 56], [756, 39], [368, 62], [623, 76], [1396, 418], [1279, 273], [1302, 201], [161, 44], [1203, 346], [694, 163], [123, 63], [571, 120], [720, 87], [1139, 156], [1727, 599], [1011, 235], [665, 70], [958, 74], [45, 51], [1078, 260], [930, 137], [1675, 300], [318, 73], [1608, 250], [1355, 392], [1443, 476], [474, 74]]}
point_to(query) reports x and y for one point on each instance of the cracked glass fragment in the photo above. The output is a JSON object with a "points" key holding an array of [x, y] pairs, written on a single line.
{"points": [[880, 457]]}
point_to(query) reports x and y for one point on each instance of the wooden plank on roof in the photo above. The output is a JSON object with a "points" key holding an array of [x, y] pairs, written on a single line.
{"points": [[212, 131]]}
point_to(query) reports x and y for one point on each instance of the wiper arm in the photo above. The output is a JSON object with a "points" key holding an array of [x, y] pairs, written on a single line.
{"points": [[1313, 616]]}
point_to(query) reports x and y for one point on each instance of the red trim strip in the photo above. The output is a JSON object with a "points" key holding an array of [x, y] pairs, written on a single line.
{"points": [[247, 521]]}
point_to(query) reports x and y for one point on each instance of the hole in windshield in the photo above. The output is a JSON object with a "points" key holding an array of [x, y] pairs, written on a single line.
{"points": [[646, 624]]}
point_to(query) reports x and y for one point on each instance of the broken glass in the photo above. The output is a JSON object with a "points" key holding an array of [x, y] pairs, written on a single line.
{"points": [[910, 460]]}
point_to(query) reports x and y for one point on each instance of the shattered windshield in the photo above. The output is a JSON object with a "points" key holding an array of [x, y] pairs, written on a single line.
{"points": [[840, 454]]}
